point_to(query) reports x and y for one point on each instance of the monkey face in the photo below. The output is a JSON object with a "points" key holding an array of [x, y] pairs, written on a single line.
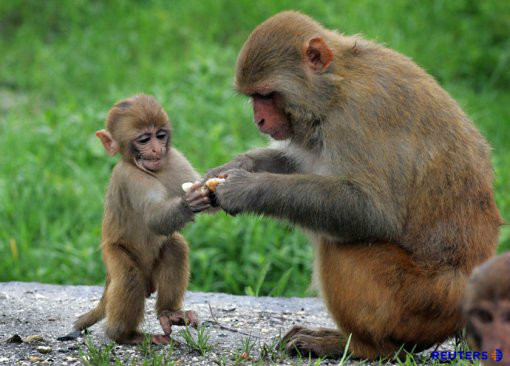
{"points": [[269, 117], [488, 326], [285, 67], [149, 147]]}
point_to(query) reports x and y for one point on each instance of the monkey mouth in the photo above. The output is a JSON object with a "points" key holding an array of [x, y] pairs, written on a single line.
{"points": [[150, 163], [277, 134]]}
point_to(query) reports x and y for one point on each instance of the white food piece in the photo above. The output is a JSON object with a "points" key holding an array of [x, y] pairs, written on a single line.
{"points": [[211, 184], [187, 186]]}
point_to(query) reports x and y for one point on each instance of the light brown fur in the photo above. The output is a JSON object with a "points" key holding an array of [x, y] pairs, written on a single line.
{"points": [[142, 249], [382, 166]]}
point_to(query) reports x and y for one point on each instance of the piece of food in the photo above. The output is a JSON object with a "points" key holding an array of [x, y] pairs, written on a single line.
{"points": [[213, 183], [187, 186]]}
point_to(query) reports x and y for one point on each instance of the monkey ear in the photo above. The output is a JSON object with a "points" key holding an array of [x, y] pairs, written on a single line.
{"points": [[318, 55], [108, 142]]}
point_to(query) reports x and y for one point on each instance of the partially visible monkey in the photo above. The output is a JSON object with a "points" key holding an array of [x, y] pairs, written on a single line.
{"points": [[383, 169], [145, 208], [487, 309]]}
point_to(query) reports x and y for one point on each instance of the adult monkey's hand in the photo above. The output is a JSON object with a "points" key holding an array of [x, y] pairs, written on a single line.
{"points": [[231, 195]]}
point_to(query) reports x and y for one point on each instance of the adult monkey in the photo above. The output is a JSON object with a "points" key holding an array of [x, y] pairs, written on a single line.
{"points": [[383, 169]]}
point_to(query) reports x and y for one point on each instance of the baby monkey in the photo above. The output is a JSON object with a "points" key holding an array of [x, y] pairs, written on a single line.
{"points": [[145, 207]]}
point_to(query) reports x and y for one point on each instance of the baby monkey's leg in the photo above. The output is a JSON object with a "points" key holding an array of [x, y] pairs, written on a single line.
{"points": [[172, 276]]}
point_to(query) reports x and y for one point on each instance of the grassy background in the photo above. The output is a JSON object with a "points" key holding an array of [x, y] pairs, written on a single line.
{"points": [[64, 63]]}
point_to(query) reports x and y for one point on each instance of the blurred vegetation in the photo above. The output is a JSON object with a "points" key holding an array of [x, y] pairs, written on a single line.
{"points": [[64, 63]]}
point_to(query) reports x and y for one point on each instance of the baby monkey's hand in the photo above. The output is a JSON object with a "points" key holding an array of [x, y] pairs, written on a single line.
{"points": [[196, 197], [209, 187]]}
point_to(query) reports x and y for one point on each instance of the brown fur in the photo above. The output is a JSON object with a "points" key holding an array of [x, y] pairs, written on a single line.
{"points": [[142, 249], [383, 168]]}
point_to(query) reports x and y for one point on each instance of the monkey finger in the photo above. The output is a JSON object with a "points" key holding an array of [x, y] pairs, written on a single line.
{"points": [[204, 199], [218, 172], [202, 191], [192, 317], [200, 208], [197, 201], [160, 339], [300, 346], [227, 173], [289, 335], [202, 202], [211, 174], [196, 186], [166, 324], [188, 317], [193, 195]]}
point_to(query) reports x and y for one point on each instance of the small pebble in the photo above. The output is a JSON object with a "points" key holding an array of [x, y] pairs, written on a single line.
{"points": [[14, 339], [44, 349], [33, 339], [35, 359]]}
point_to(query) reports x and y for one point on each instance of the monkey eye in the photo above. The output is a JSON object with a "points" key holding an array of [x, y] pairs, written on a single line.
{"points": [[263, 95], [506, 317], [483, 315], [143, 139], [161, 135]]}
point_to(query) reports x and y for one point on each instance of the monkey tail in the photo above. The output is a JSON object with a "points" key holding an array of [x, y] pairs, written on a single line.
{"points": [[93, 316]]}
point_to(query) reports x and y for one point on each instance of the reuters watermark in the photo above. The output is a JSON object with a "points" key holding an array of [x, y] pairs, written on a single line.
{"points": [[495, 355]]}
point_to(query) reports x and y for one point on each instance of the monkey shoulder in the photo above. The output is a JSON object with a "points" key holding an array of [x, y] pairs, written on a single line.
{"points": [[129, 175], [179, 171], [179, 162], [130, 187]]}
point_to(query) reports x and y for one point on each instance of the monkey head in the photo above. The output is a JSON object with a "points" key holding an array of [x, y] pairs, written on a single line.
{"points": [[286, 67], [138, 128], [487, 308]]}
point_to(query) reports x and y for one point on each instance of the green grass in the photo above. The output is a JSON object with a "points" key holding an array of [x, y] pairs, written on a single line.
{"points": [[147, 354], [198, 343], [97, 355], [248, 352], [64, 63]]}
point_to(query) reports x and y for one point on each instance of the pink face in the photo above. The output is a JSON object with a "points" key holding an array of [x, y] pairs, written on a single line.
{"points": [[269, 117], [151, 147]]}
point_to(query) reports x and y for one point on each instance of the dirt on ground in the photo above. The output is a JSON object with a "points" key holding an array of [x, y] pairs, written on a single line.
{"points": [[240, 329]]}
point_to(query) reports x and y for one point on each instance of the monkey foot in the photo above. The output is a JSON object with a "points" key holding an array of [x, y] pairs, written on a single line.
{"points": [[161, 339], [317, 342], [168, 318], [139, 338]]}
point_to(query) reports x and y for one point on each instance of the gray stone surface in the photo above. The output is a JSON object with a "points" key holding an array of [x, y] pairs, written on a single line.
{"points": [[40, 313]]}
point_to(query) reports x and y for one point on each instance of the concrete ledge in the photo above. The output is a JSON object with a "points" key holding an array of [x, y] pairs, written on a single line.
{"points": [[33, 309]]}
